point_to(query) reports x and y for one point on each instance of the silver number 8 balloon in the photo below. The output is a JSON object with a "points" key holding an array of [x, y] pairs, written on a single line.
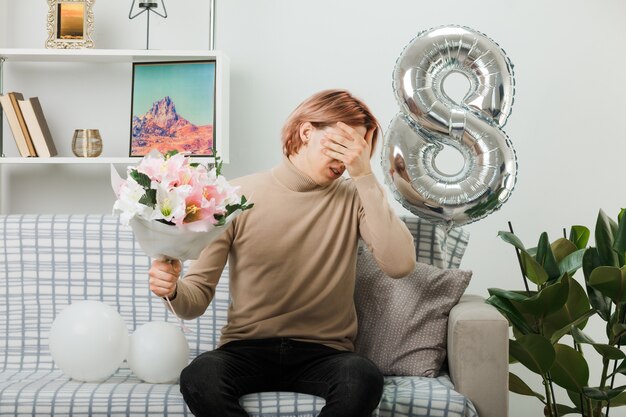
{"points": [[430, 119]]}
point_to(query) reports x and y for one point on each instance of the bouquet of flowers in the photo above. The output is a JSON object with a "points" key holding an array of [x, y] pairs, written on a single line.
{"points": [[175, 207]]}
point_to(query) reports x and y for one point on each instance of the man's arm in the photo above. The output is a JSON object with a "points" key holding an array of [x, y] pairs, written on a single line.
{"points": [[385, 234], [195, 291]]}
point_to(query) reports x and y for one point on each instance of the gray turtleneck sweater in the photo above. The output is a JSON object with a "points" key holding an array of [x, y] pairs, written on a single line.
{"points": [[292, 258]]}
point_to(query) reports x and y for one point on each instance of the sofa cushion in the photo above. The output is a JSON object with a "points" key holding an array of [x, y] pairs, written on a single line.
{"points": [[50, 393], [403, 322]]}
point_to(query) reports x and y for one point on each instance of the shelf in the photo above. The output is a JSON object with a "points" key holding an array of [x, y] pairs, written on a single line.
{"points": [[76, 160], [104, 55]]}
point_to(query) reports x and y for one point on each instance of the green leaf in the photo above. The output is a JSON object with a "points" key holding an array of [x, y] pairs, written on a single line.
{"points": [[550, 299], [518, 386], [578, 322], [580, 337], [534, 271], [546, 258], [142, 179], [561, 248], [506, 294], [610, 281], [570, 370], [619, 330], [609, 352], [619, 245], [599, 302], [534, 352], [579, 236], [509, 237], [564, 410], [171, 153], [605, 228], [508, 310], [619, 400], [577, 305], [572, 262], [604, 394], [575, 396]]}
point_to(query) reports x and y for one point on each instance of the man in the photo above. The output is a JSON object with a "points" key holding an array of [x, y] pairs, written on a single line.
{"points": [[292, 321]]}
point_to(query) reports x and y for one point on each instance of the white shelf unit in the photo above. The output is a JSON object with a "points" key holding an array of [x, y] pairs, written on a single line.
{"points": [[121, 56], [35, 64]]}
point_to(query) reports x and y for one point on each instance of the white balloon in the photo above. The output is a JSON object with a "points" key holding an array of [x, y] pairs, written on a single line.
{"points": [[89, 341], [158, 352]]}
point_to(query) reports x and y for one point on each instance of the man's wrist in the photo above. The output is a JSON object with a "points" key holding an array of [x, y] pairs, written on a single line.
{"points": [[172, 295]]}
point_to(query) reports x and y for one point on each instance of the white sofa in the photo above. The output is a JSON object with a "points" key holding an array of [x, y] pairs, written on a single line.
{"points": [[50, 261]]}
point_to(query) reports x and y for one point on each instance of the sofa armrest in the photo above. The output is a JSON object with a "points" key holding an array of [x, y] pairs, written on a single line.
{"points": [[478, 355]]}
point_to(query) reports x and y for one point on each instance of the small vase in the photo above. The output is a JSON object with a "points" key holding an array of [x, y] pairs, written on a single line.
{"points": [[87, 143]]}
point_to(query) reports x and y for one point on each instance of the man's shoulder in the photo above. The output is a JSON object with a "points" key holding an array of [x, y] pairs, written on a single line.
{"points": [[252, 179]]}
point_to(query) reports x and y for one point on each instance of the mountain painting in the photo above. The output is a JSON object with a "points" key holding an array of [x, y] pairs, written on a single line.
{"points": [[173, 108]]}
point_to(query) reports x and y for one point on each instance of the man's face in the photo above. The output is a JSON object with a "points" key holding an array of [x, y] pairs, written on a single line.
{"points": [[322, 168]]}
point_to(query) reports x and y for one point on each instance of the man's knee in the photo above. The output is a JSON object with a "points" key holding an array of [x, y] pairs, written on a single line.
{"points": [[360, 382]]}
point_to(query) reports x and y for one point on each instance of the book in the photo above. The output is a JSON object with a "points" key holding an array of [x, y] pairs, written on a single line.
{"points": [[18, 112], [14, 124], [38, 127]]}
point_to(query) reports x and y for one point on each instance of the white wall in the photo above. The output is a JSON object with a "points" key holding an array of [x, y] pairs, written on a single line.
{"points": [[565, 126]]}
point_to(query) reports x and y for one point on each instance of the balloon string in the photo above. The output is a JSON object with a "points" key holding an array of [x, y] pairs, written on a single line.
{"points": [[181, 324], [184, 328]]}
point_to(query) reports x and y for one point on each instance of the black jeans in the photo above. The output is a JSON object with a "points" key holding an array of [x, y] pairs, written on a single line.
{"points": [[213, 382]]}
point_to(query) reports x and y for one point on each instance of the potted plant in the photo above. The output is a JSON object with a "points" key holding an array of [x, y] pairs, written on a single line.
{"points": [[548, 321]]}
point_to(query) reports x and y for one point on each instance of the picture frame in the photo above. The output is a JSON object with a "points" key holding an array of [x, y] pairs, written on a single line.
{"points": [[173, 107], [70, 24]]}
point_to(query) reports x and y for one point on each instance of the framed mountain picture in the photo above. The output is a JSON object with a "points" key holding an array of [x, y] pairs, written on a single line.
{"points": [[173, 107]]}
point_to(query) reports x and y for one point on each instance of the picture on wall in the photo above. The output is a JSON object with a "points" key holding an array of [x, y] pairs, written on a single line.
{"points": [[70, 20], [173, 108], [70, 24]]}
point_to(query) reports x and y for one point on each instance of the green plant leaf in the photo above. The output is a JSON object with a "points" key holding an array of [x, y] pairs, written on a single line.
{"points": [[621, 369], [534, 352], [510, 238], [580, 337], [142, 179], [512, 314], [507, 294], [561, 248], [518, 386], [570, 369], [619, 330], [599, 302], [545, 257], [609, 352], [564, 410], [550, 299], [605, 232], [577, 304], [579, 236], [610, 281], [572, 262], [578, 322], [575, 396], [534, 271], [619, 245], [619, 400], [604, 394]]}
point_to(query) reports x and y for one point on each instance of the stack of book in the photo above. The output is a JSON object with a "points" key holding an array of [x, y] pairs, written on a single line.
{"points": [[28, 125]]}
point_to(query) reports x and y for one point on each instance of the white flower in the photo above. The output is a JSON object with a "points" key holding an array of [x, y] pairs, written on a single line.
{"points": [[170, 202], [128, 201]]}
